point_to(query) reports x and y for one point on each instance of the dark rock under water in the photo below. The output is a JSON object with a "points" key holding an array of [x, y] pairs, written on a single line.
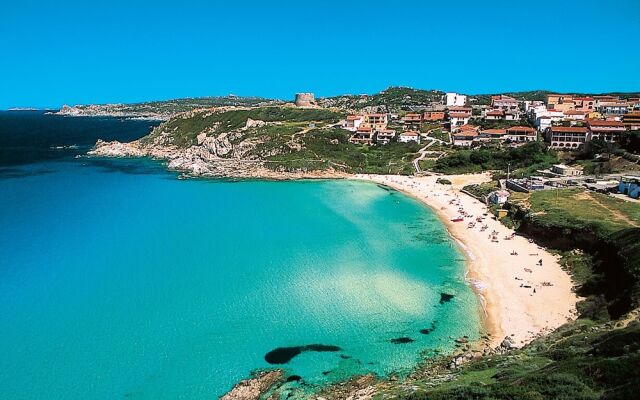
{"points": [[402, 340], [283, 355], [294, 378], [445, 297], [427, 331]]}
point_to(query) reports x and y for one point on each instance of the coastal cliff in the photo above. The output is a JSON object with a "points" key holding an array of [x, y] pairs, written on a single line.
{"points": [[268, 142]]}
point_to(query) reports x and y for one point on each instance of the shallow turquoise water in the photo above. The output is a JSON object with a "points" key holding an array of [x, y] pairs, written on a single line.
{"points": [[119, 280]]}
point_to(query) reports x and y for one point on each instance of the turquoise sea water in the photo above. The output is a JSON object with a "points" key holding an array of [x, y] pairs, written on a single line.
{"points": [[118, 280]]}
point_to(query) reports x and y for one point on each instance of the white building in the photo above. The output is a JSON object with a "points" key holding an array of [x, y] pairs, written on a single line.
{"points": [[353, 122], [458, 119], [384, 136], [455, 99], [568, 137], [465, 136], [499, 197], [542, 118], [565, 170], [409, 136], [575, 115]]}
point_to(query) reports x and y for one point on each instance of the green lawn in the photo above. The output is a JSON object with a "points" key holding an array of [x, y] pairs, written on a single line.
{"points": [[578, 208]]}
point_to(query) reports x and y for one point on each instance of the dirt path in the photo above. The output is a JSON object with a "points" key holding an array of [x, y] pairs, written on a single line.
{"points": [[617, 215]]}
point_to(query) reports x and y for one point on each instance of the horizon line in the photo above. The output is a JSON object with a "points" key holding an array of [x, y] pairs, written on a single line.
{"points": [[39, 108]]}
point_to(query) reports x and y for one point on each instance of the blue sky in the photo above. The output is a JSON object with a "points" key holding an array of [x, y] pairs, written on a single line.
{"points": [[71, 52]]}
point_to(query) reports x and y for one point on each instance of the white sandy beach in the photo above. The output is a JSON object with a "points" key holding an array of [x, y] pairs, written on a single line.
{"points": [[516, 302]]}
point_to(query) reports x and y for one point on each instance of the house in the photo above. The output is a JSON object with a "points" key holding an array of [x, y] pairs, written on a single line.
{"points": [[613, 107], [504, 103], [609, 131], [494, 115], [384, 136], [603, 99], [568, 137], [494, 134], [412, 121], [630, 185], [529, 104], [511, 115], [454, 99], [499, 197], [543, 118], [631, 120], [409, 136], [465, 135], [575, 115], [560, 102], [364, 135], [353, 122], [433, 116], [585, 104], [459, 119], [459, 116], [565, 170], [376, 121], [521, 134]]}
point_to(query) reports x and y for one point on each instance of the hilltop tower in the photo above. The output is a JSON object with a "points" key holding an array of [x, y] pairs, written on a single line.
{"points": [[305, 100]]}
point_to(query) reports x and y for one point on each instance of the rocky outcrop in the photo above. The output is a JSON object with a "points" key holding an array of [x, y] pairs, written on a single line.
{"points": [[117, 149], [253, 388]]}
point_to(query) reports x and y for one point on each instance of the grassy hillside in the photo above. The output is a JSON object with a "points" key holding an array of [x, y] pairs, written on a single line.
{"points": [[583, 210], [580, 361], [184, 129], [293, 140], [393, 99], [527, 158]]}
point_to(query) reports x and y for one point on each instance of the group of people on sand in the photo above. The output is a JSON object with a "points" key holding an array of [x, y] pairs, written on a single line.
{"points": [[528, 284]]}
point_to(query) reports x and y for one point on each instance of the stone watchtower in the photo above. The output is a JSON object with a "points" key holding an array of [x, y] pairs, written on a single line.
{"points": [[305, 100]]}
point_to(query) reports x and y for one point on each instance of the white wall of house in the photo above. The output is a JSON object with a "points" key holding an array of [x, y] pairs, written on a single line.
{"points": [[408, 138], [455, 99], [455, 121]]}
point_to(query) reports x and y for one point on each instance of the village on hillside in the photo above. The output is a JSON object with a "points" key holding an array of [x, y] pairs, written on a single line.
{"points": [[569, 124]]}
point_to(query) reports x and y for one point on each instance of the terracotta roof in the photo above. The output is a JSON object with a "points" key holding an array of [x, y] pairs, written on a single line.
{"points": [[596, 122], [521, 129], [494, 131], [570, 129], [466, 134], [574, 112], [364, 129], [460, 115], [353, 117], [376, 115], [409, 133], [459, 108], [495, 112]]}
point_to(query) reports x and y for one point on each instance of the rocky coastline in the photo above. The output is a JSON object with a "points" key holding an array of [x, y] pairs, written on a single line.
{"points": [[111, 110]]}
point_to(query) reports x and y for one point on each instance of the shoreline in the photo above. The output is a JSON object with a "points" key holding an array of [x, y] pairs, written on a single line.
{"points": [[510, 310], [508, 287]]}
